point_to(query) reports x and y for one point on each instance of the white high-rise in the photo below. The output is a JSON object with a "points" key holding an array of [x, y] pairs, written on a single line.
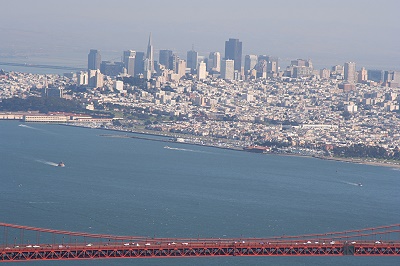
{"points": [[95, 79], [149, 61], [129, 62], [214, 61], [181, 68], [201, 71], [82, 78], [228, 69], [350, 72]]}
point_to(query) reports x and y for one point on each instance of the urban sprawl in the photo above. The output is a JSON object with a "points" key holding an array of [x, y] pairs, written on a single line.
{"points": [[218, 101]]}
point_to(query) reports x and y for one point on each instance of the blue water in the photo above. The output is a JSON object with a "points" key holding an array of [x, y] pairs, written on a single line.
{"points": [[126, 186]]}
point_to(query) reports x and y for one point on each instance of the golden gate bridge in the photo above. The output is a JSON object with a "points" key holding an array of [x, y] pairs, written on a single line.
{"points": [[25, 243]]}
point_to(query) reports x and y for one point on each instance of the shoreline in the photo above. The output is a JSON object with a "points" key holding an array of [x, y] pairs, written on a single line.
{"points": [[338, 159]]}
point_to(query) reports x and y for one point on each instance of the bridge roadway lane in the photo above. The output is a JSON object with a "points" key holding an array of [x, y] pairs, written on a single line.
{"points": [[195, 248]]}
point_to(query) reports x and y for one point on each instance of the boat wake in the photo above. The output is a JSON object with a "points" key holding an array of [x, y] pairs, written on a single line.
{"points": [[26, 126], [351, 183], [42, 202], [180, 149], [47, 162], [35, 128]]}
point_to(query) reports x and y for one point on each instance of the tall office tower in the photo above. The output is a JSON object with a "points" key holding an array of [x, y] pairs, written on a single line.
{"points": [[83, 78], [201, 71], [95, 78], [181, 69], [263, 57], [375, 75], [302, 63], [149, 61], [191, 58], [272, 64], [139, 63], [228, 69], [350, 72], [362, 75], [129, 62], [214, 61], [233, 51], [325, 73], [250, 61], [164, 58], [94, 59], [338, 70], [261, 67], [391, 76], [173, 62]]}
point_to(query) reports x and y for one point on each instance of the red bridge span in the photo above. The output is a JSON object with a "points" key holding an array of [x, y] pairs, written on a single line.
{"points": [[24, 243]]}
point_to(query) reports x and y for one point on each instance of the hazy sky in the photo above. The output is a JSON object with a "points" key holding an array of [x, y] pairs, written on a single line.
{"points": [[329, 32]]}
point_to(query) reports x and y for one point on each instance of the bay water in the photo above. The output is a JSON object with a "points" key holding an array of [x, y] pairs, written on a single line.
{"points": [[125, 186]]}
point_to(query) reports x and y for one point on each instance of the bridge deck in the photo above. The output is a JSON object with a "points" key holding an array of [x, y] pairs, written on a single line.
{"points": [[23, 243]]}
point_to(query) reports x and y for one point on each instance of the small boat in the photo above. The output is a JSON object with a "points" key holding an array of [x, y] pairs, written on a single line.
{"points": [[61, 164], [359, 184]]}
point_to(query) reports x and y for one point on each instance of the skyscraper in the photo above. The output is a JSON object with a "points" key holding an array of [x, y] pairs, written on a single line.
{"points": [[362, 75], [181, 68], [250, 61], [201, 71], [173, 62], [149, 61], [228, 69], [325, 73], [272, 64], [375, 75], [233, 51], [350, 72], [95, 78], [94, 59], [300, 62], [164, 58], [214, 61], [83, 78], [129, 62], [391, 76], [338, 70], [139, 63], [191, 60]]}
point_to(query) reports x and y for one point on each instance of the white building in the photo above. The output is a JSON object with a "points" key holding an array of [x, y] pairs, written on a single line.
{"points": [[129, 62], [82, 78], [118, 85], [350, 72], [95, 79], [201, 71], [214, 61], [228, 69]]}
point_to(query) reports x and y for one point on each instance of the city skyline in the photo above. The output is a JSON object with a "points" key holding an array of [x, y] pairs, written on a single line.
{"points": [[233, 67], [328, 34]]}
